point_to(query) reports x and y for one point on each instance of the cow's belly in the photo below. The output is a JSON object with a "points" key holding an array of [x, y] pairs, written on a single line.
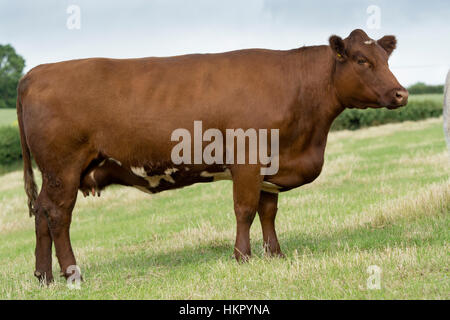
{"points": [[111, 171], [226, 175], [170, 180]]}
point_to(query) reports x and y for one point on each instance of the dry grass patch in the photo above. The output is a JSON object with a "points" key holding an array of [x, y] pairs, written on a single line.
{"points": [[429, 201], [384, 130]]}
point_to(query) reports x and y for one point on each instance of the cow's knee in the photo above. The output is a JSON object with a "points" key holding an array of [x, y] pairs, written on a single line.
{"points": [[245, 213]]}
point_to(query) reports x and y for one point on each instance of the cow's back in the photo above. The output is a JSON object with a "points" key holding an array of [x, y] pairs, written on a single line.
{"points": [[133, 105]]}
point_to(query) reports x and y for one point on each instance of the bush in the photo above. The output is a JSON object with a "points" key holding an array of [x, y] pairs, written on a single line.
{"points": [[353, 119], [422, 88], [10, 149]]}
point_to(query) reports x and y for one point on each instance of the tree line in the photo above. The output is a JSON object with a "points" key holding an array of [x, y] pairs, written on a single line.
{"points": [[11, 70]]}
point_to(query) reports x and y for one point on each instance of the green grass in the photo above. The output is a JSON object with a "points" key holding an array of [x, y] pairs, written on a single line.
{"points": [[382, 199], [5, 168], [8, 117], [428, 96]]}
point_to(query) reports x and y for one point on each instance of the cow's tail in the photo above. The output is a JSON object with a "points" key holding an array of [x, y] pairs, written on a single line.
{"points": [[447, 110], [28, 175]]}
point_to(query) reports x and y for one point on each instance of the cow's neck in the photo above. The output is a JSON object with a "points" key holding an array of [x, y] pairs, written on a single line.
{"points": [[316, 104]]}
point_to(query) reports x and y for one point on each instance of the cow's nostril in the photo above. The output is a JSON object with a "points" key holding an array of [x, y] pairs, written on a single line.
{"points": [[401, 96]]}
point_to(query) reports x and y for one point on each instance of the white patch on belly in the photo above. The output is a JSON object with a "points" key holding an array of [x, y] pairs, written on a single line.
{"points": [[91, 175], [217, 176], [139, 171], [154, 181], [369, 42], [270, 187], [116, 161], [226, 175], [170, 171]]}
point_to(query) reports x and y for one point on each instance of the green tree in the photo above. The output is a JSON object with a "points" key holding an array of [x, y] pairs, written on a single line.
{"points": [[11, 67]]}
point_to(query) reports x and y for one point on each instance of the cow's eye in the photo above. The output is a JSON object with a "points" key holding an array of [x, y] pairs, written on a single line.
{"points": [[362, 61]]}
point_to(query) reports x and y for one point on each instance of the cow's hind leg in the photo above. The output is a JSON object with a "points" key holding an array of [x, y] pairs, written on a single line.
{"points": [[267, 211], [56, 202], [43, 250]]}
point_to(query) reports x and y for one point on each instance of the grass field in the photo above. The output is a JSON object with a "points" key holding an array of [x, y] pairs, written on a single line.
{"points": [[382, 199], [429, 96], [8, 117]]}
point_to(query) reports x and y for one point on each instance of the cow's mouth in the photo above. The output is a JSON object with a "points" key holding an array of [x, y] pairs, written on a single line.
{"points": [[393, 107]]}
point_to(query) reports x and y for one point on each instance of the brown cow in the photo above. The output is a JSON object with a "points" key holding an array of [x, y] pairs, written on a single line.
{"points": [[94, 122]]}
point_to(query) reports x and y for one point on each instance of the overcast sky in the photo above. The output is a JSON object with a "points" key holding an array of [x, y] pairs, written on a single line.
{"points": [[137, 28]]}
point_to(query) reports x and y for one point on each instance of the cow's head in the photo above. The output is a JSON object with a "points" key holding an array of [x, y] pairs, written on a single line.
{"points": [[362, 77]]}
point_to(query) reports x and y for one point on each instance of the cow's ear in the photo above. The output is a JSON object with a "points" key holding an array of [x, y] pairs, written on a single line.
{"points": [[388, 43], [338, 47]]}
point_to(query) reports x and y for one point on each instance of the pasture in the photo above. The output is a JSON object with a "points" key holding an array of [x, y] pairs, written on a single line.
{"points": [[428, 96], [8, 117], [382, 199]]}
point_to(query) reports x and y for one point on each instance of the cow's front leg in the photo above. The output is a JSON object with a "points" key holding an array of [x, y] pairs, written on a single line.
{"points": [[246, 190], [267, 211]]}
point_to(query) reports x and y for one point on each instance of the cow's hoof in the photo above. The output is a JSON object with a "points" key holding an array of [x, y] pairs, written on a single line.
{"points": [[45, 278], [242, 258], [273, 253]]}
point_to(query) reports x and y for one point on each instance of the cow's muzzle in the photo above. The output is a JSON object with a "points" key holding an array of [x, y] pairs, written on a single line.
{"points": [[397, 98]]}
